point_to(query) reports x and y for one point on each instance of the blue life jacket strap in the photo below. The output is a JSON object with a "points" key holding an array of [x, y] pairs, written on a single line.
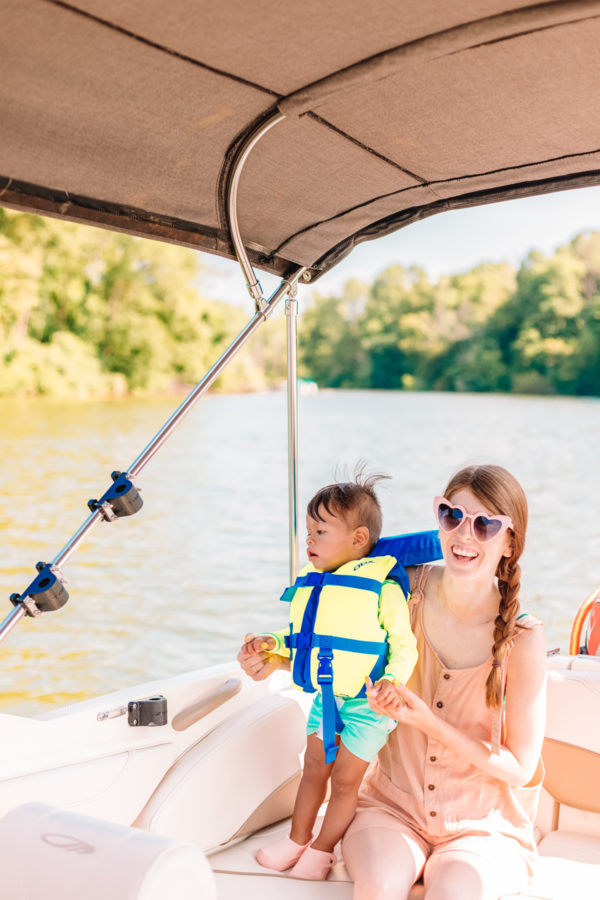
{"points": [[321, 579], [331, 716], [409, 550], [332, 723], [301, 641]]}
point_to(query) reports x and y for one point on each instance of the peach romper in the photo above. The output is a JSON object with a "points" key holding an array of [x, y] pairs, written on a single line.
{"points": [[424, 790]]}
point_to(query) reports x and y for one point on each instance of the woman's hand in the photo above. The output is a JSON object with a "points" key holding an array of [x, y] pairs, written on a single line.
{"points": [[255, 657], [393, 699]]}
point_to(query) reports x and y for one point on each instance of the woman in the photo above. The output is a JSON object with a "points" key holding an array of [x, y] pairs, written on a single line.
{"points": [[444, 797]]}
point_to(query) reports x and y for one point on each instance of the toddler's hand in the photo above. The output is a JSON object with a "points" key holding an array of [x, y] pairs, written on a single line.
{"points": [[398, 702], [257, 643], [383, 696], [254, 656]]}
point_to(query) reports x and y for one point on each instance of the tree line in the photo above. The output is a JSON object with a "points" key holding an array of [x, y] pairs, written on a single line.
{"points": [[89, 312], [494, 328]]}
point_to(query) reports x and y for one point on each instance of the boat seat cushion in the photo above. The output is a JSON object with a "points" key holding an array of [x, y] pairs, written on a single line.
{"points": [[48, 853], [572, 845], [241, 777]]}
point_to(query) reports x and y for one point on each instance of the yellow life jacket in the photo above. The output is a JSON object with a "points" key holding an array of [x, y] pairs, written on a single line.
{"points": [[335, 637]]}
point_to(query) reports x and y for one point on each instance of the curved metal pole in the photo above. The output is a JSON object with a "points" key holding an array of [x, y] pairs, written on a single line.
{"points": [[255, 290], [252, 282], [291, 311]]}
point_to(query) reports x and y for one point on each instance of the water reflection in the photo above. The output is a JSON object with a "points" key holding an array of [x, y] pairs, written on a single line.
{"points": [[175, 587]]}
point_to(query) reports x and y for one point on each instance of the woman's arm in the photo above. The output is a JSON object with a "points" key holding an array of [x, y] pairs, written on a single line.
{"points": [[526, 700], [525, 715]]}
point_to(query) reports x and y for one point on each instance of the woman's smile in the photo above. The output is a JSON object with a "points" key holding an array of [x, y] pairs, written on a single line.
{"points": [[463, 553]]}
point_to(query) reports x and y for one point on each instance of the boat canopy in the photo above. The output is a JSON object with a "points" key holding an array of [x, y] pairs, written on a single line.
{"points": [[370, 115]]}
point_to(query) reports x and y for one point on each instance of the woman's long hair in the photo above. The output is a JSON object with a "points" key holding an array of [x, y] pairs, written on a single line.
{"points": [[501, 493]]}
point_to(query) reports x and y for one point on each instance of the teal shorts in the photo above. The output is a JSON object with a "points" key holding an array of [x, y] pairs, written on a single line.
{"points": [[365, 732]]}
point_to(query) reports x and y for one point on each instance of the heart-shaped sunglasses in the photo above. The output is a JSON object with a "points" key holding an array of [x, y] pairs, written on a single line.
{"points": [[484, 527]]}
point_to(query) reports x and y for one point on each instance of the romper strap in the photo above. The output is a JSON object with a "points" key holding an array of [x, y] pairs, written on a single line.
{"points": [[526, 620], [417, 591]]}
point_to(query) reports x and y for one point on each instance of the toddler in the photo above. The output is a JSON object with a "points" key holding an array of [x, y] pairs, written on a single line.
{"points": [[349, 626]]}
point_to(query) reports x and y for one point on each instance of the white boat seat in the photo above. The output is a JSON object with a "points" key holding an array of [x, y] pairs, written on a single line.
{"points": [[53, 854], [572, 740], [572, 845], [569, 864], [243, 775]]}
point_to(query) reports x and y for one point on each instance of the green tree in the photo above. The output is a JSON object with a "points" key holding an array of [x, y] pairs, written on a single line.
{"points": [[397, 328], [551, 303], [329, 338], [470, 355]]}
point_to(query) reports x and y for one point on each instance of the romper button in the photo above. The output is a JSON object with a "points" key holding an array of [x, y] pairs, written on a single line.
{"points": [[433, 813], [446, 676], [432, 758], [431, 787], [439, 704]]}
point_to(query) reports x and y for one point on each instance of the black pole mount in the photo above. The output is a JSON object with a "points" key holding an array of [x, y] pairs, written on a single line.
{"points": [[121, 499], [46, 593]]}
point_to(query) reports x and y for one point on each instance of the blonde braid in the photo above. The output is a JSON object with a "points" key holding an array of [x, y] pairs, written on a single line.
{"points": [[509, 584]]}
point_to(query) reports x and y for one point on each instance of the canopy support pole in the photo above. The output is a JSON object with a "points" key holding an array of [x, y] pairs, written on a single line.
{"points": [[11, 620], [252, 282], [291, 307], [291, 311]]}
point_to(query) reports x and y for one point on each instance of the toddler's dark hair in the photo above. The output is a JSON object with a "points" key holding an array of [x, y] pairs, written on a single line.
{"points": [[354, 501]]}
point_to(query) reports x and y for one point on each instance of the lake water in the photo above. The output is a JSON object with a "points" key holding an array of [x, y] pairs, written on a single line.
{"points": [[176, 587]]}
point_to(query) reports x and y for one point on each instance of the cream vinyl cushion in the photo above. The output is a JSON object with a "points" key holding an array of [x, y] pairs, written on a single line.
{"points": [[246, 768], [52, 854]]}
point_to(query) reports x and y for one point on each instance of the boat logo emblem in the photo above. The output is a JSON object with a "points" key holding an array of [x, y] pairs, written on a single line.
{"points": [[67, 842]]}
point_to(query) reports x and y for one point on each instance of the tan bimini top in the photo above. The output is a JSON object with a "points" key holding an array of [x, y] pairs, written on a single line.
{"points": [[131, 115]]}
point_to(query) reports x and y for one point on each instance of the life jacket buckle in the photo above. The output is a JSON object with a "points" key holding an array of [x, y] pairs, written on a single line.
{"points": [[325, 669]]}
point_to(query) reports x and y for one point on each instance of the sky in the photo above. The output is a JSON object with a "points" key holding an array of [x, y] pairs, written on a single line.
{"points": [[442, 245]]}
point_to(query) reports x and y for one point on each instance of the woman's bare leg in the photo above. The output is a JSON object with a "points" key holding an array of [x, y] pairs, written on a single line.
{"points": [[347, 774], [311, 792], [384, 863], [454, 878], [492, 868]]}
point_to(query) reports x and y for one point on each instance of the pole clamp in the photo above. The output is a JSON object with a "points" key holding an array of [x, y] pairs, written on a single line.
{"points": [[46, 592], [121, 499]]}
